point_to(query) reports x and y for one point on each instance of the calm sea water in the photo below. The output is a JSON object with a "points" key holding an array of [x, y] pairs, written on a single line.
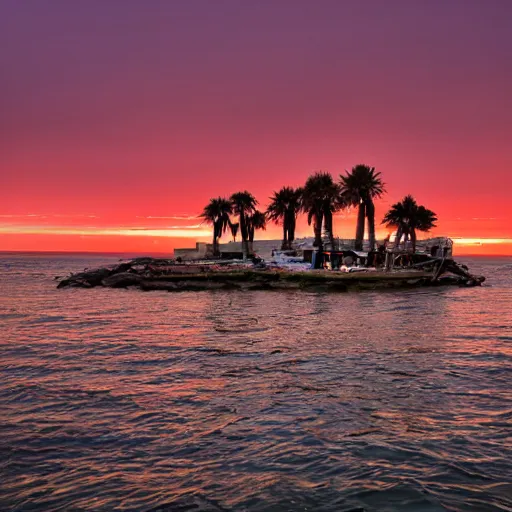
{"points": [[255, 401]]}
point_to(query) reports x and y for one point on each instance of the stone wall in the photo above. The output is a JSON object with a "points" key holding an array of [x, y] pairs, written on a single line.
{"points": [[262, 248], [200, 251]]}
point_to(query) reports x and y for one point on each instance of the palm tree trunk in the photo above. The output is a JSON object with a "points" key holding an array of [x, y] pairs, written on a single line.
{"points": [[243, 233], [231, 229], [318, 243], [291, 230], [317, 228], [284, 245], [360, 226], [370, 215], [413, 240], [399, 234], [215, 244], [251, 240], [329, 228], [406, 238]]}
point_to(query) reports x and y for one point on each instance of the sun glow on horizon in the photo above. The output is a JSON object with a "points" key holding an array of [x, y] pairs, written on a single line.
{"points": [[44, 238], [195, 231], [126, 230]]}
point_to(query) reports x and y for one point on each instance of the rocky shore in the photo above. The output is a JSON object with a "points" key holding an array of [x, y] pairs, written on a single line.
{"points": [[168, 275]]}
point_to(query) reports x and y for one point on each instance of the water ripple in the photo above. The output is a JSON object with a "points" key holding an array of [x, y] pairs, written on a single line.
{"points": [[121, 400]]}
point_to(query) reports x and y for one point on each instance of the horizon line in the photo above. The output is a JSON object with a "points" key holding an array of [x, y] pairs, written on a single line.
{"points": [[148, 253]]}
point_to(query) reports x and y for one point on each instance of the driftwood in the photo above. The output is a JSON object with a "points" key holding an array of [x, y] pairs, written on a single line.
{"points": [[441, 266]]}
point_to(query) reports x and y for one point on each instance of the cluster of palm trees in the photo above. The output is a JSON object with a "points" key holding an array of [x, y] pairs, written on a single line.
{"points": [[407, 216], [218, 213], [320, 198]]}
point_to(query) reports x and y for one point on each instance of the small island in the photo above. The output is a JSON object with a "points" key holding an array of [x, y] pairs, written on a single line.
{"points": [[325, 263]]}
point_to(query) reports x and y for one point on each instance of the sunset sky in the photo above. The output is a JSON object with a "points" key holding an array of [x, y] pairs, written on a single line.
{"points": [[120, 119]]}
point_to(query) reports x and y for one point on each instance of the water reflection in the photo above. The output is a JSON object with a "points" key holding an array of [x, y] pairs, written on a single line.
{"points": [[117, 399]]}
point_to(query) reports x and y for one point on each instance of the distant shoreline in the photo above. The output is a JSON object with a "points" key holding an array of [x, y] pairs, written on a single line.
{"points": [[170, 254]]}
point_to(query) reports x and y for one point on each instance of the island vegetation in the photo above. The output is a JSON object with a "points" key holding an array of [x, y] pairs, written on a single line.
{"points": [[319, 199]]}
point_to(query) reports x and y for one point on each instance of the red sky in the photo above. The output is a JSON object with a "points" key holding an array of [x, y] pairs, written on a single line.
{"points": [[121, 119]]}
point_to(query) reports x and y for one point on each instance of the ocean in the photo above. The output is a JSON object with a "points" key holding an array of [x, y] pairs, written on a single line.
{"points": [[253, 401]]}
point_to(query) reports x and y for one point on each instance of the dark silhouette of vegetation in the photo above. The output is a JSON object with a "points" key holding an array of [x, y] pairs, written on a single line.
{"points": [[217, 213], [359, 187], [255, 221], [283, 208], [233, 226], [407, 217], [321, 198], [244, 205]]}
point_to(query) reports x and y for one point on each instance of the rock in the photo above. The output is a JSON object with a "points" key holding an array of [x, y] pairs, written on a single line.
{"points": [[122, 280], [146, 260], [75, 282], [123, 267]]}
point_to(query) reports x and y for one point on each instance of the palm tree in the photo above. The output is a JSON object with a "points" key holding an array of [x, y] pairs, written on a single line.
{"points": [[359, 187], [233, 226], [407, 217], [320, 200], [283, 208], [243, 204], [424, 220], [217, 213], [397, 217], [257, 220]]}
